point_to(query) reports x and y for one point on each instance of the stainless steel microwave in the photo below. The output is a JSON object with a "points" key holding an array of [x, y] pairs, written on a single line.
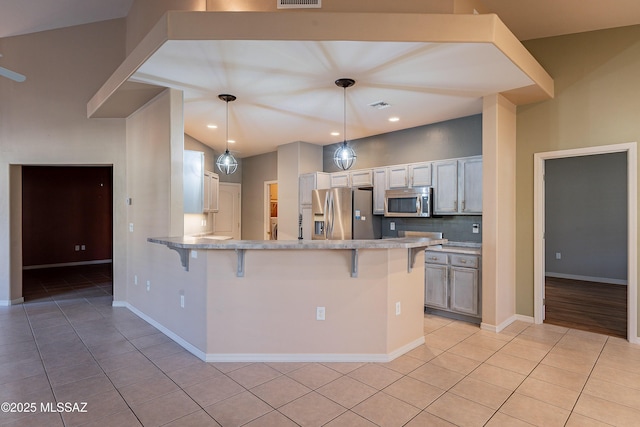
{"points": [[408, 202]]}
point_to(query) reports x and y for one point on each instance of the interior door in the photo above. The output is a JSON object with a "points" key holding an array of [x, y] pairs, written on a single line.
{"points": [[226, 222]]}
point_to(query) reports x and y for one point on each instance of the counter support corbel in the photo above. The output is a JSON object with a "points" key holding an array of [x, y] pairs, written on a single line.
{"points": [[240, 270], [184, 256]]}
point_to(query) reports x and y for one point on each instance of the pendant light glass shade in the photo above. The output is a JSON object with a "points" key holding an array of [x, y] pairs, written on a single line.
{"points": [[344, 157], [226, 163]]}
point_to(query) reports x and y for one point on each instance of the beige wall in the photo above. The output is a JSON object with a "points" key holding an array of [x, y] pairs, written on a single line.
{"points": [[43, 122], [596, 103], [155, 142], [294, 159]]}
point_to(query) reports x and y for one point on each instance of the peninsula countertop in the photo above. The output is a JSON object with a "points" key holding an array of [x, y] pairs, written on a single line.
{"points": [[189, 242], [185, 244]]}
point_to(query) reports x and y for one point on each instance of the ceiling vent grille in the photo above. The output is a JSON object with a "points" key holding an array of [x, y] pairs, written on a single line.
{"points": [[380, 105], [299, 4]]}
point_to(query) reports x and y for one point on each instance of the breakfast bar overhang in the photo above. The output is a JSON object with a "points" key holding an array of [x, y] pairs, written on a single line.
{"points": [[274, 310]]}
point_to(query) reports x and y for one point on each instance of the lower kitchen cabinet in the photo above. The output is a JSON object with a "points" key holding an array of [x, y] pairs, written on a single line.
{"points": [[452, 283]]}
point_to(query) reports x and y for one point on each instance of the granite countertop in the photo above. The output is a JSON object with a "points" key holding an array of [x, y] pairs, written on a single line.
{"points": [[468, 248], [192, 242]]}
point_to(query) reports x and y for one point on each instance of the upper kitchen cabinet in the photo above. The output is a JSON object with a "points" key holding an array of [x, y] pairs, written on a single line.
{"points": [[458, 186], [398, 176], [412, 175], [312, 181], [470, 171], [380, 185], [211, 191], [361, 178], [193, 181], [420, 174], [341, 179]]}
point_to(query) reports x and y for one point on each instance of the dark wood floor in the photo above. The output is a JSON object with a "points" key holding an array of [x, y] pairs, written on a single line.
{"points": [[590, 306]]}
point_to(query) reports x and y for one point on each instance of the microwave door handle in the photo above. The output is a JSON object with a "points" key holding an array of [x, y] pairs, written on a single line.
{"points": [[419, 205]]}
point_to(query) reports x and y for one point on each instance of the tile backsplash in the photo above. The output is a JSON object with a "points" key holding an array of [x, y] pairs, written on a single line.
{"points": [[456, 228]]}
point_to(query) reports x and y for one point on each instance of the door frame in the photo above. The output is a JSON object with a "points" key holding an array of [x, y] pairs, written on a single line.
{"points": [[267, 209], [632, 227]]}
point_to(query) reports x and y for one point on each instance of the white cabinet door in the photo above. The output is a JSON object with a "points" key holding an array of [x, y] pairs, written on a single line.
{"points": [[398, 176], [436, 286], [214, 192], [310, 181], [211, 189], [193, 181], [470, 182], [379, 188], [445, 183], [362, 178], [340, 179], [464, 290], [420, 174]]}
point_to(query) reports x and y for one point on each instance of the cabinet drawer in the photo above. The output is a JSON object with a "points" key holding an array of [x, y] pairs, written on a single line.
{"points": [[464, 261], [435, 257]]}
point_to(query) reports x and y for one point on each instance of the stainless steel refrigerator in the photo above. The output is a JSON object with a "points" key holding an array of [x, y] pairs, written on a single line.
{"points": [[343, 214]]}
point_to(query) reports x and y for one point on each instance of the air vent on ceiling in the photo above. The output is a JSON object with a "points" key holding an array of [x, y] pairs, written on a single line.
{"points": [[299, 4], [380, 105]]}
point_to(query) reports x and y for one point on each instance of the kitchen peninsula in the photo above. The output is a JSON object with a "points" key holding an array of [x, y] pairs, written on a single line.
{"points": [[349, 300]]}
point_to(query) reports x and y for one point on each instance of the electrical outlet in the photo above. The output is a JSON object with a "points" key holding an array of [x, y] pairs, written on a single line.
{"points": [[558, 255], [475, 228], [83, 247], [320, 313], [194, 254], [182, 300], [77, 248], [135, 279], [398, 308], [130, 227], [148, 285], [392, 226]]}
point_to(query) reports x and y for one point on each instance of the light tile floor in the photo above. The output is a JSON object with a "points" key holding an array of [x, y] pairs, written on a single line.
{"points": [[69, 345]]}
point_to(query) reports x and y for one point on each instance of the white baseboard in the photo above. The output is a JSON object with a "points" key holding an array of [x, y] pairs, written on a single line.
{"points": [[276, 357], [313, 357], [587, 278], [184, 344], [504, 324], [7, 303]]}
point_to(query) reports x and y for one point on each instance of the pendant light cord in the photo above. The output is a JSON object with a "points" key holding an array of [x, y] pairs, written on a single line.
{"points": [[227, 128]]}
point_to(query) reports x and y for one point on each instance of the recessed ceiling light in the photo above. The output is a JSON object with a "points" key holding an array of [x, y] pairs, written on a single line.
{"points": [[335, 133], [212, 126], [231, 141], [394, 119]]}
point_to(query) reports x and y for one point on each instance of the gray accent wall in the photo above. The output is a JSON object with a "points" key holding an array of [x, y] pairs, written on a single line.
{"points": [[586, 216], [445, 140]]}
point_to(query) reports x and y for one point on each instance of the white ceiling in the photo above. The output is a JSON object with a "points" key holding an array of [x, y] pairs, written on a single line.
{"points": [[286, 90]]}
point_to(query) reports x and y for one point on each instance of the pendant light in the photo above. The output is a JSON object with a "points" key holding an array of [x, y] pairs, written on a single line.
{"points": [[344, 157], [226, 162]]}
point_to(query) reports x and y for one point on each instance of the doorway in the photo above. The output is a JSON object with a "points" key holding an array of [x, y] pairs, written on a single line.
{"points": [[67, 224], [540, 227], [227, 221], [270, 210]]}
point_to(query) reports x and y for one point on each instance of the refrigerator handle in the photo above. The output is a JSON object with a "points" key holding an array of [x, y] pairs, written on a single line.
{"points": [[331, 215], [326, 215]]}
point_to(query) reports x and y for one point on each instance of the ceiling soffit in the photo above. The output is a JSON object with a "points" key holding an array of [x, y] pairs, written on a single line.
{"points": [[284, 64]]}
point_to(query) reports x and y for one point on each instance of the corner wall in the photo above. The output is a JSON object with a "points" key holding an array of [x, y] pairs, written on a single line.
{"points": [[596, 103], [43, 121]]}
